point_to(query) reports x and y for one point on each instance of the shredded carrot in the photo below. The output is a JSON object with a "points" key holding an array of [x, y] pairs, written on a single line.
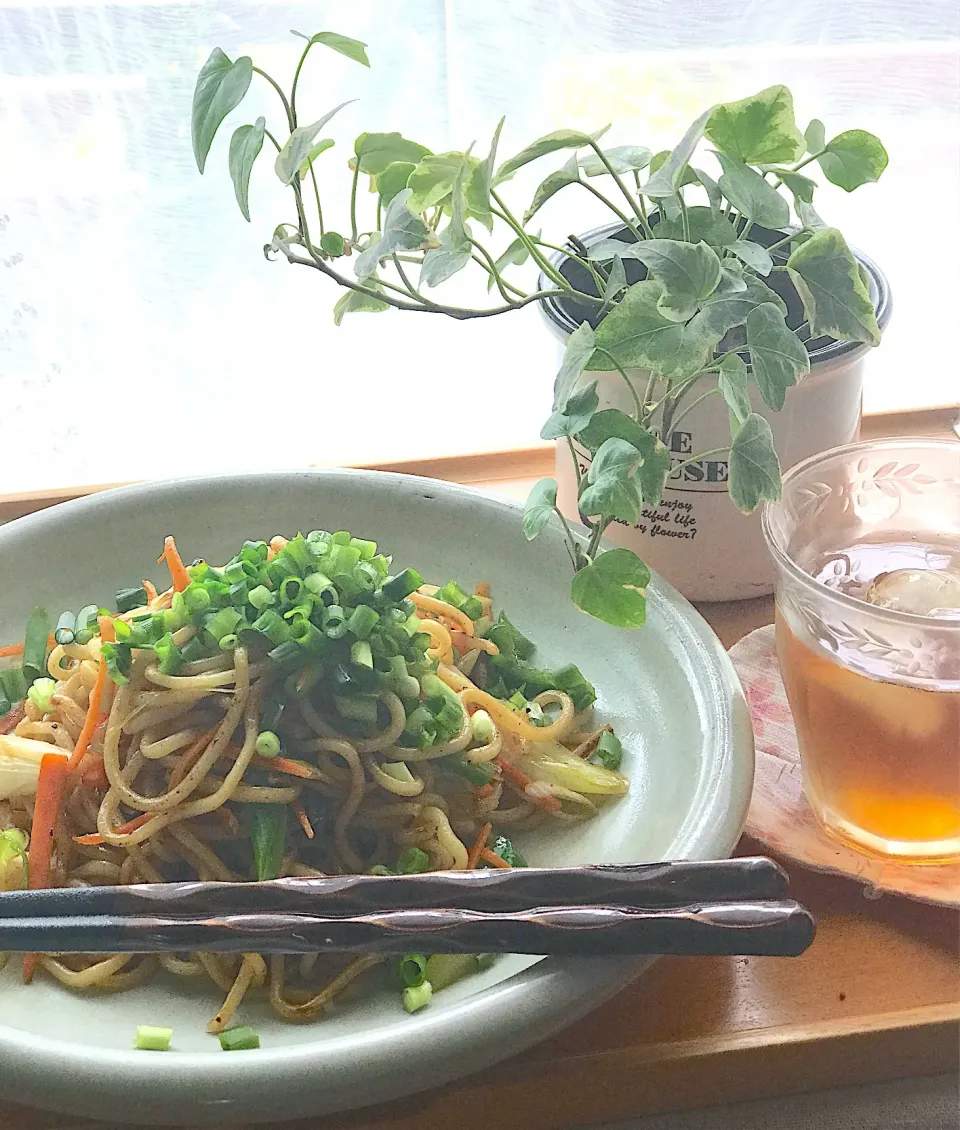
{"points": [[94, 838], [107, 629], [484, 791], [93, 716], [150, 589], [178, 571], [11, 720], [550, 803], [303, 818], [473, 856], [190, 756], [50, 786], [489, 856], [12, 649], [284, 765], [483, 589]]}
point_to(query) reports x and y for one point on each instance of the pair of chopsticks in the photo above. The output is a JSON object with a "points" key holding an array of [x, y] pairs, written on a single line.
{"points": [[733, 906]]}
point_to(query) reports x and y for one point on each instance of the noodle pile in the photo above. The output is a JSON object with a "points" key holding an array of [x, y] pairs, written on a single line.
{"points": [[166, 786]]}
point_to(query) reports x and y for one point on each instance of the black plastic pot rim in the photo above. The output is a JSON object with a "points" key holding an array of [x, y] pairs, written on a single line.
{"points": [[561, 322]]}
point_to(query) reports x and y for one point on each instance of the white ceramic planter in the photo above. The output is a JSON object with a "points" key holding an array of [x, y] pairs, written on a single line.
{"points": [[696, 537]]}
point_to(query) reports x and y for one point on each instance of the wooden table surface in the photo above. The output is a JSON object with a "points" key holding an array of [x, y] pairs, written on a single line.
{"points": [[876, 997]]}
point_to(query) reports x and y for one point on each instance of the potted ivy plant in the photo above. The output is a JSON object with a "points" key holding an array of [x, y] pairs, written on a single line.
{"points": [[702, 293]]}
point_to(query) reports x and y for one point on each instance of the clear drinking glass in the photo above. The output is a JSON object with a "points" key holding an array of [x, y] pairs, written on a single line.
{"points": [[866, 541]]}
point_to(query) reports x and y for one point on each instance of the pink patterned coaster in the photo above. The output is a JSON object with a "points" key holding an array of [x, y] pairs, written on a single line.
{"points": [[779, 814]]}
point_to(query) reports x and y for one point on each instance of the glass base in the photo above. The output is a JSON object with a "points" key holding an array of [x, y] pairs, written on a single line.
{"points": [[903, 851]]}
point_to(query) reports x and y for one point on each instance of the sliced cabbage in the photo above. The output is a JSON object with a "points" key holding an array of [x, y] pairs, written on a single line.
{"points": [[13, 859], [549, 761], [20, 764]]}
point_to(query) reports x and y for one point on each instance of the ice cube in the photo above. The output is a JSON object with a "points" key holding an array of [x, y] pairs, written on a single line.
{"points": [[924, 592]]}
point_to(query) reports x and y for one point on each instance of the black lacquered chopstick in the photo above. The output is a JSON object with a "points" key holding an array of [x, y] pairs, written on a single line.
{"points": [[644, 885], [774, 928]]}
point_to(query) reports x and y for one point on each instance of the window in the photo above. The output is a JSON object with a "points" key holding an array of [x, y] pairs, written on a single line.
{"points": [[142, 331]]}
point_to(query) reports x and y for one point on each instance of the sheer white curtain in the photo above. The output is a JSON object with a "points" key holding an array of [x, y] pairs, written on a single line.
{"points": [[142, 332]]}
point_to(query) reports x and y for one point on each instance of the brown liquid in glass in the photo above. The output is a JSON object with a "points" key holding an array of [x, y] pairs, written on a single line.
{"points": [[881, 760]]}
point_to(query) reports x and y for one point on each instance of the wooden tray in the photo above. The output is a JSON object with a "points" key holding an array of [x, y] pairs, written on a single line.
{"points": [[876, 997]]}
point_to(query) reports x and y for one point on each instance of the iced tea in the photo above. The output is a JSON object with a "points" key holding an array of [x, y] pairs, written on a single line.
{"points": [[881, 760]]}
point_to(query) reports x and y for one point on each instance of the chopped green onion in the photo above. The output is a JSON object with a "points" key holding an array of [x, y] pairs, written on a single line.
{"points": [[358, 708], [403, 584], [360, 653], [609, 751], [169, 656], [195, 598], [482, 727], [509, 640], [341, 537], [362, 621], [570, 680], [35, 644], [177, 615], [410, 970], [290, 589], [477, 773], [118, 660], [128, 599], [65, 630], [234, 572], [308, 635], [194, 650], [86, 627], [274, 627], [414, 861], [239, 1039], [40, 692], [5, 707], [267, 744], [535, 714], [472, 607], [229, 642], [334, 622], [150, 1039], [366, 548], [222, 623], [443, 969], [379, 869], [416, 997], [13, 683], [261, 597], [268, 831]]}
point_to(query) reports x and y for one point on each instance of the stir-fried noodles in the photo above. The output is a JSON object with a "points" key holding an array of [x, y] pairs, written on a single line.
{"points": [[303, 710]]}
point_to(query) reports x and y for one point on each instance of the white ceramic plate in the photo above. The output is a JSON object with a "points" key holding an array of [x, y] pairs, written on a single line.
{"points": [[668, 689]]}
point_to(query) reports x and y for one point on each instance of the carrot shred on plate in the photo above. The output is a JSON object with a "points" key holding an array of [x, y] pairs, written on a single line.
{"points": [[178, 571], [303, 818], [50, 787], [550, 803], [493, 859], [150, 589], [473, 856], [94, 838], [284, 765], [190, 756], [92, 719]]}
